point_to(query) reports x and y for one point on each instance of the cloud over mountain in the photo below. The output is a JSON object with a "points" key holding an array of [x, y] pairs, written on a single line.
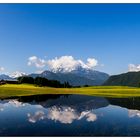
{"points": [[63, 63], [37, 62], [68, 63], [132, 67]]}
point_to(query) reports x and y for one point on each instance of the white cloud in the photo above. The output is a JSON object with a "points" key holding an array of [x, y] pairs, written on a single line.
{"points": [[68, 64], [2, 69], [132, 67], [91, 62], [37, 62], [63, 63]]}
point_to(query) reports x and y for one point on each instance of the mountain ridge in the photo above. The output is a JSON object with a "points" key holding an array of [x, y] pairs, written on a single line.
{"points": [[124, 79], [78, 77], [75, 77]]}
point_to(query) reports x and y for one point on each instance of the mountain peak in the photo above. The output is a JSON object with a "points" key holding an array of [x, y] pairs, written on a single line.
{"points": [[17, 74], [77, 77]]}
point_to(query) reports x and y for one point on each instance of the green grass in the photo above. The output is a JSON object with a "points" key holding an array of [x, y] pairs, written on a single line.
{"points": [[14, 90]]}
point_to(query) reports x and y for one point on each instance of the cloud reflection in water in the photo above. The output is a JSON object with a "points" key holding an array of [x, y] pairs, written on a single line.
{"points": [[133, 113], [65, 115], [39, 115]]}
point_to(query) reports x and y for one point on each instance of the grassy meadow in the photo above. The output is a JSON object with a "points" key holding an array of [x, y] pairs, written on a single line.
{"points": [[13, 90]]}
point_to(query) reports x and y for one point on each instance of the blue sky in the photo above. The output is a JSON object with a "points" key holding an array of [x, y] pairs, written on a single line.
{"points": [[110, 33]]}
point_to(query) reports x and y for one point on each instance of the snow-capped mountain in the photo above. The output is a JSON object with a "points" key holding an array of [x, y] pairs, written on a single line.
{"points": [[17, 74], [78, 77], [12, 76]]}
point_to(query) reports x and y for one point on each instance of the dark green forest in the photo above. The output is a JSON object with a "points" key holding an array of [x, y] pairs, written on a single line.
{"points": [[125, 79], [40, 81]]}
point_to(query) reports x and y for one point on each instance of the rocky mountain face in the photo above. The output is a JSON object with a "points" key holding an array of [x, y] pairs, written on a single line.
{"points": [[79, 77]]}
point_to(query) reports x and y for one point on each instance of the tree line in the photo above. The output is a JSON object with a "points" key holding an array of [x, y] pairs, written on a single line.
{"points": [[40, 81]]}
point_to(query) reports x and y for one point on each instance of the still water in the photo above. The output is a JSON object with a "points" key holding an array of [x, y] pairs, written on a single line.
{"points": [[69, 115]]}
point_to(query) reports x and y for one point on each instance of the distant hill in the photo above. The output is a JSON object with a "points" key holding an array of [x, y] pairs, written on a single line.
{"points": [[125, 79], [5, 77], [79, 77]]}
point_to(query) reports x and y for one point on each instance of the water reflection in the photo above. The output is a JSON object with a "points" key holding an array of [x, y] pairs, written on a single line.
{"points": [[66, 109], [129, 103], [16, 103], [1, 108], [39, 115], [64, 115], [133, 113], [78, 102], [91, 116]]}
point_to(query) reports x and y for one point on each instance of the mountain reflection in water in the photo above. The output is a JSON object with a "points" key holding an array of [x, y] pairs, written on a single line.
{"points": [[66, 109], [81, 101], [63, 114]]}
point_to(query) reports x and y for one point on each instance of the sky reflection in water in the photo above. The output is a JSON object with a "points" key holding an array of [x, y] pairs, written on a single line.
{"points": [[72, 115]]}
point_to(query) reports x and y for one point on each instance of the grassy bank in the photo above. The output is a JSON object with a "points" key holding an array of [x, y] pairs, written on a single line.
{"points": [[9, 90]]}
